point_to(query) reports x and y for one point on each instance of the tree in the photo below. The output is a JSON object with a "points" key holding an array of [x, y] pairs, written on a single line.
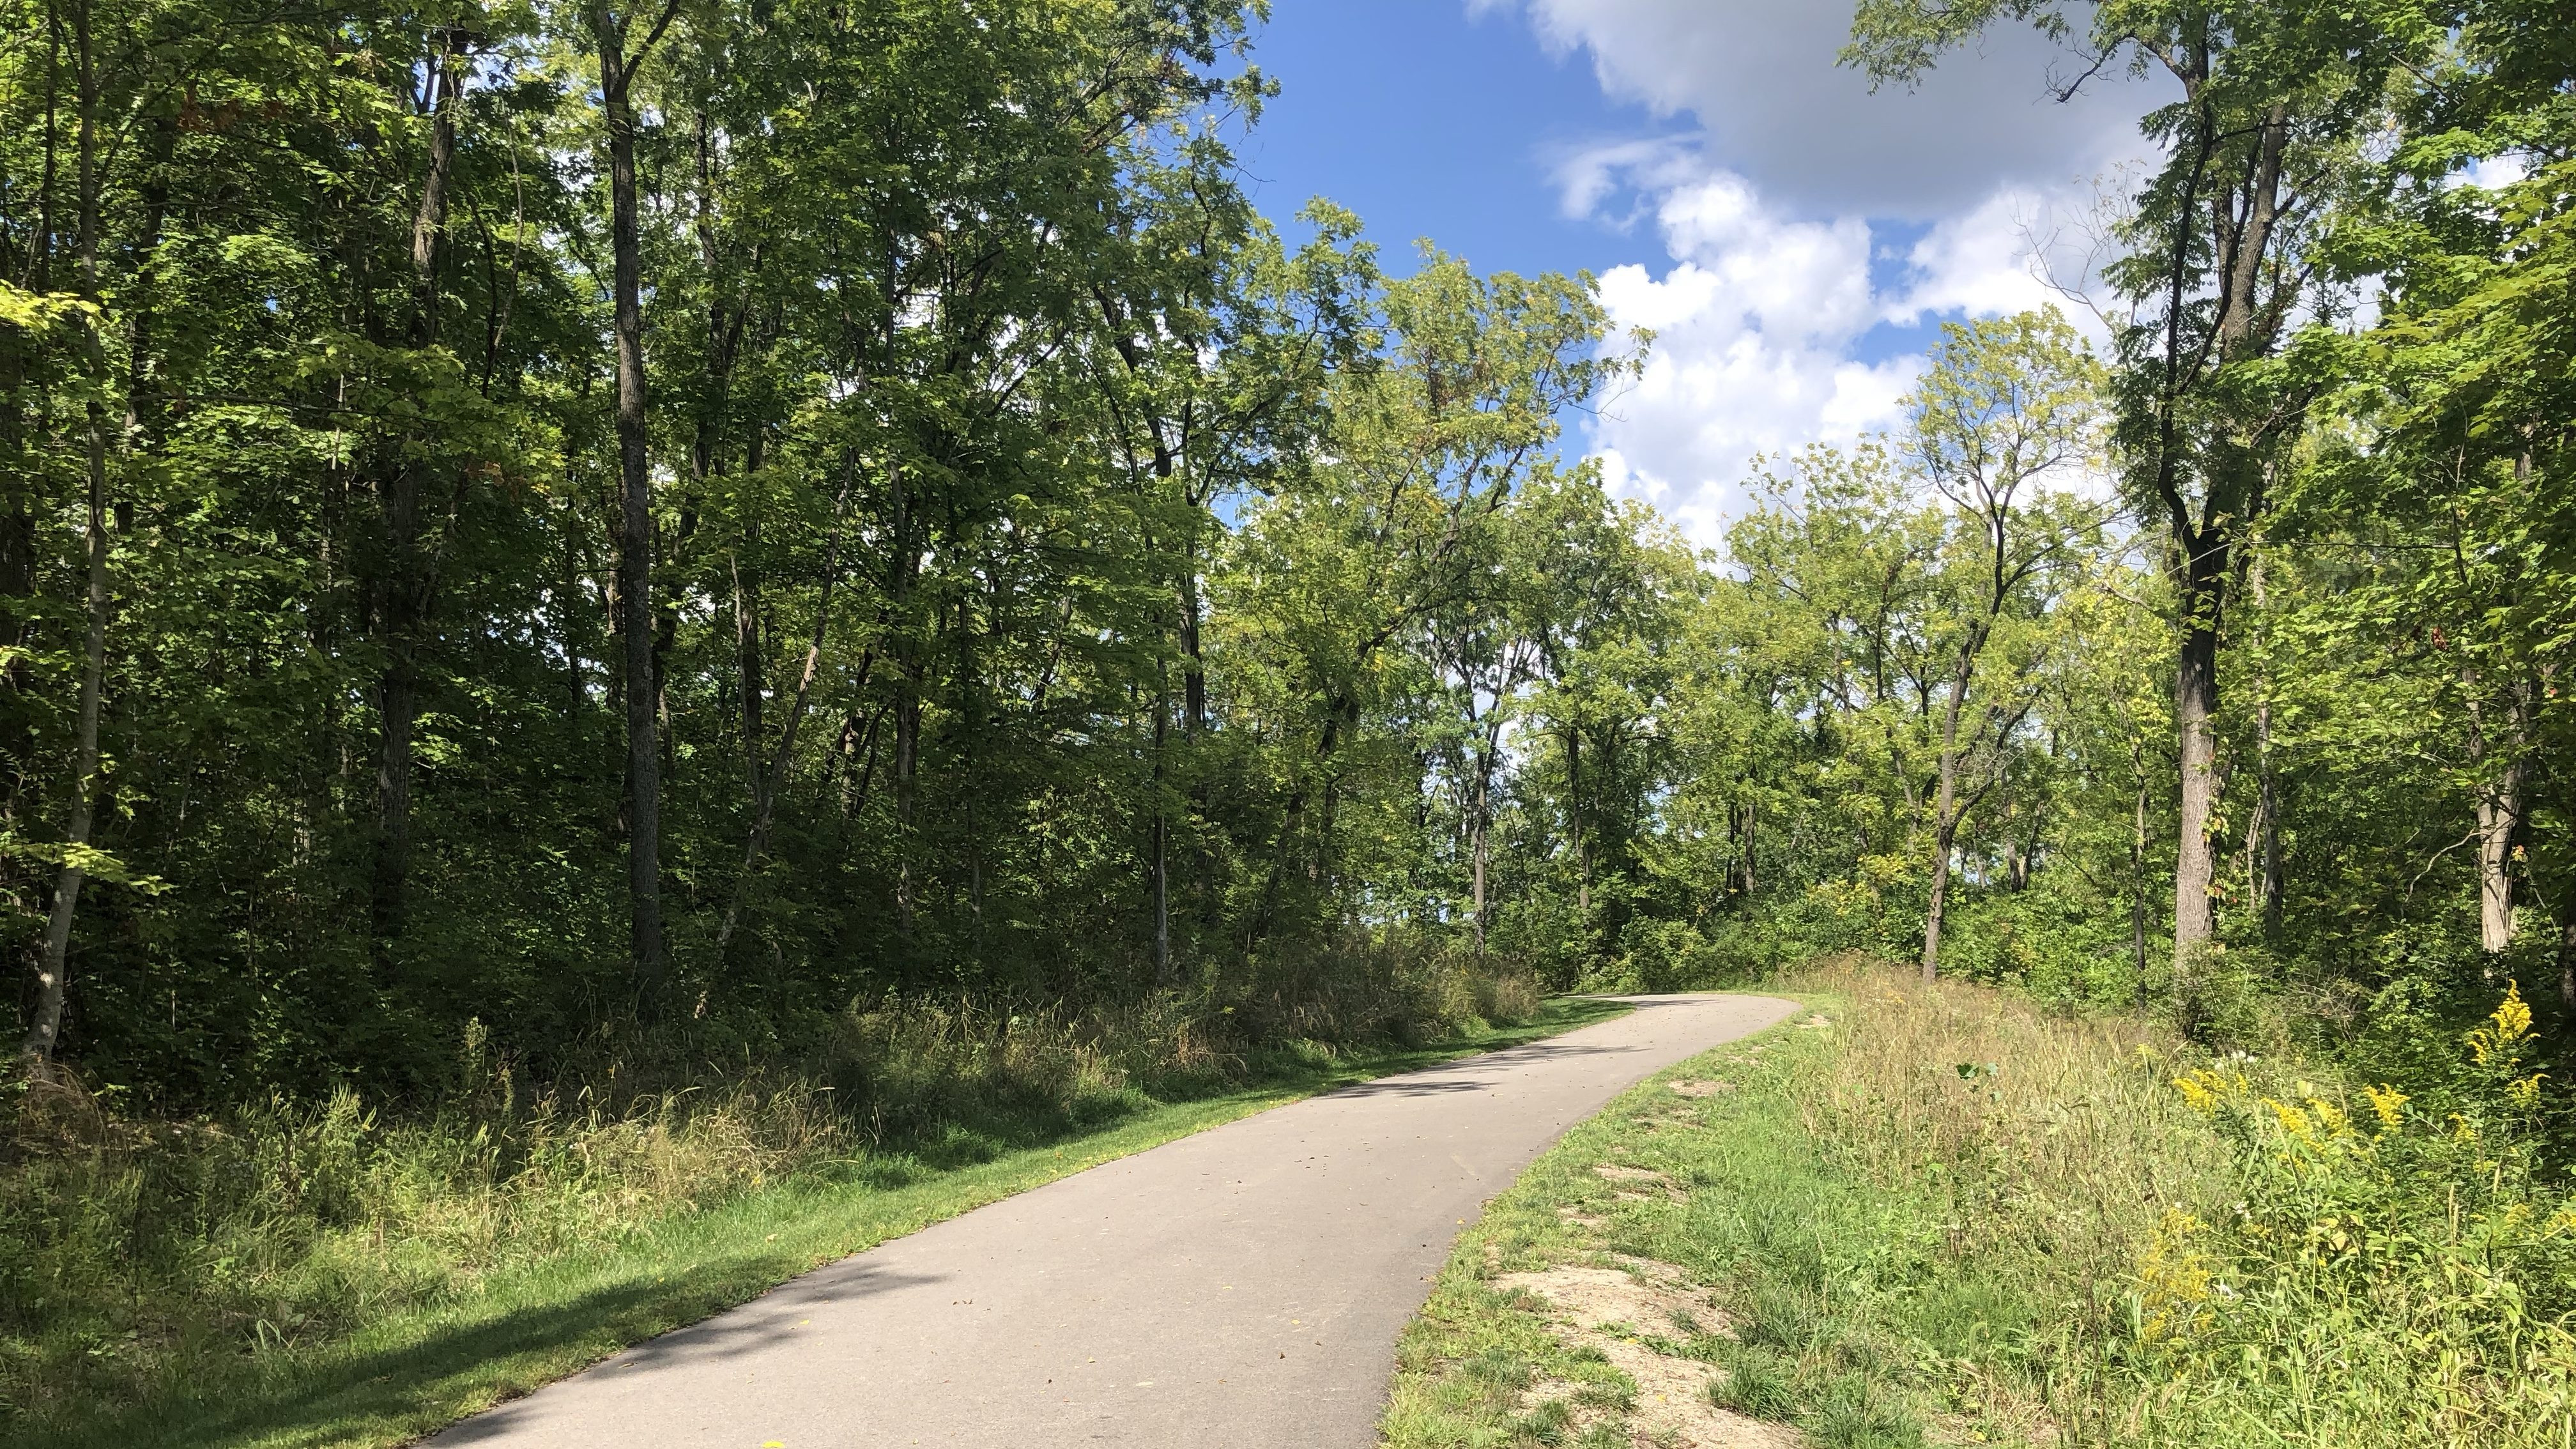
{"points": [[2216, 275], [610, 36], [2005, 405]]}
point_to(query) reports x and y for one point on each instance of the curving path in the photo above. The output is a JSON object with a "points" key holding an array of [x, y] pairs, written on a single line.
{"points": [[1242, 1287]]}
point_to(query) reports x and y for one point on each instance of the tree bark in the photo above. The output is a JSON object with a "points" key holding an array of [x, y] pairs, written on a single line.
{"points": [[1751, 841], [905, 567], [2500, 803], [2195, 715], [2242, 235], [44, 1028], [1574, 821], [403, 589], [1945, 809], [1194, 691], [765, 782], [635, 532], [1162, 851], [1478, 828]]}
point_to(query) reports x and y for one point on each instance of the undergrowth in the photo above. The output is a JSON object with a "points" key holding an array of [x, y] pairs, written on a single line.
{"points": [[142, 1259], [1954, 1215], [2222, 1248]]}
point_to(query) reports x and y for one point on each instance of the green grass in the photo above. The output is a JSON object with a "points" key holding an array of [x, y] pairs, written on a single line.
{"points": [[527, 1322], [1895, 1265], [1953, 1216], [1803, 1259]]}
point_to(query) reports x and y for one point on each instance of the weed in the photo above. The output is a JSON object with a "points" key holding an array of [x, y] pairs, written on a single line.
{"points": [[2096, 1232], [1757, 1385], [151, 1271], [1854, 1413]]}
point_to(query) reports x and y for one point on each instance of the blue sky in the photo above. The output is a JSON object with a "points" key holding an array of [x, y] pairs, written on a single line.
{"points": [[1792, 240], [1432, 124]]}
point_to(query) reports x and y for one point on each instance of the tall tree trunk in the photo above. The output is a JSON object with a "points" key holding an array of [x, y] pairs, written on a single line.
{"points": [[1945, 810], [2242, 236], [402, 595], [1749, 842], [635, 531], [1162, 851], [765, 782], [750, 666], [1574, 821], [904, 567], [1944, 832], [907, 761], [1194, 690], [1480, 827], [2023, 851], [2138, 868], [751, 648], [2499, 808], [44, 1028], [2265, 837], [2195, 716]]}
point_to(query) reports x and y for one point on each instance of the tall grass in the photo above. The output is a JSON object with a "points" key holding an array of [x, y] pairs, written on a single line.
{"points": [[135, 1253], [2049, 1144], [1952, 1214], [2216, 1250]]}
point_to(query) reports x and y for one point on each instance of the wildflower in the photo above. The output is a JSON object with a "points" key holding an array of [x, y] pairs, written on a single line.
{"points": [[2174, 1281], [2294, 1121], [2505, 1031], [2205, 1089], [2387, 1101], [2525, 1092]]}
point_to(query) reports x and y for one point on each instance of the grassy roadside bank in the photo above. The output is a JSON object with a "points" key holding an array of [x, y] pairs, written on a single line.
{"points": [[1947, 1216], [589, 1272]]}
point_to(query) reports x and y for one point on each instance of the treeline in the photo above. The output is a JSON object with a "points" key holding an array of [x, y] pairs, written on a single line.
{"points": [[2224, 671], [2294, 739], [531, 521], [539, 525]]}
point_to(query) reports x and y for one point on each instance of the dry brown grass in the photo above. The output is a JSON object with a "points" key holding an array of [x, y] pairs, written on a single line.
{"points": [[2054, 1139]]}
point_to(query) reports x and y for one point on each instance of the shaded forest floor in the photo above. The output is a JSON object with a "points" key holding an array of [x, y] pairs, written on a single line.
{"points": [[382, 1281], [1946, 1215]]}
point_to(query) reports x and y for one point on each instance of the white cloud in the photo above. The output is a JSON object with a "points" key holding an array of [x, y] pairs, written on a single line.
{"points": [[1979, 261], [1772, 210], [1758, 316], [2496, 172], [1761, 78]]}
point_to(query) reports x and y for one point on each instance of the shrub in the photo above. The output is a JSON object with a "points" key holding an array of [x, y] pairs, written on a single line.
{"points": [[2393, 1271]]}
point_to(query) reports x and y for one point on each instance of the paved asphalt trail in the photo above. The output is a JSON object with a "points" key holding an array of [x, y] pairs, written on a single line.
{"points": [[1237, 1289]]}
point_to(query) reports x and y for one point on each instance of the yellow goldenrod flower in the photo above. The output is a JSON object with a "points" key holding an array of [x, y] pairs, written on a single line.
{"points": [[2294, 1120], [2505, 1031], [2203, 1089], [2174, 1280], [2387, 1101]]}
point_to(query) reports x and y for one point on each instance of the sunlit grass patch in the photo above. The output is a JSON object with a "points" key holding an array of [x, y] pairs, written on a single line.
{"points": [[1947, 1215]]}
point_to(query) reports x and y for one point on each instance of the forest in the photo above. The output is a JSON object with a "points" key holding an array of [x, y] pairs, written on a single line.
{"points": [[557, 557]]}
